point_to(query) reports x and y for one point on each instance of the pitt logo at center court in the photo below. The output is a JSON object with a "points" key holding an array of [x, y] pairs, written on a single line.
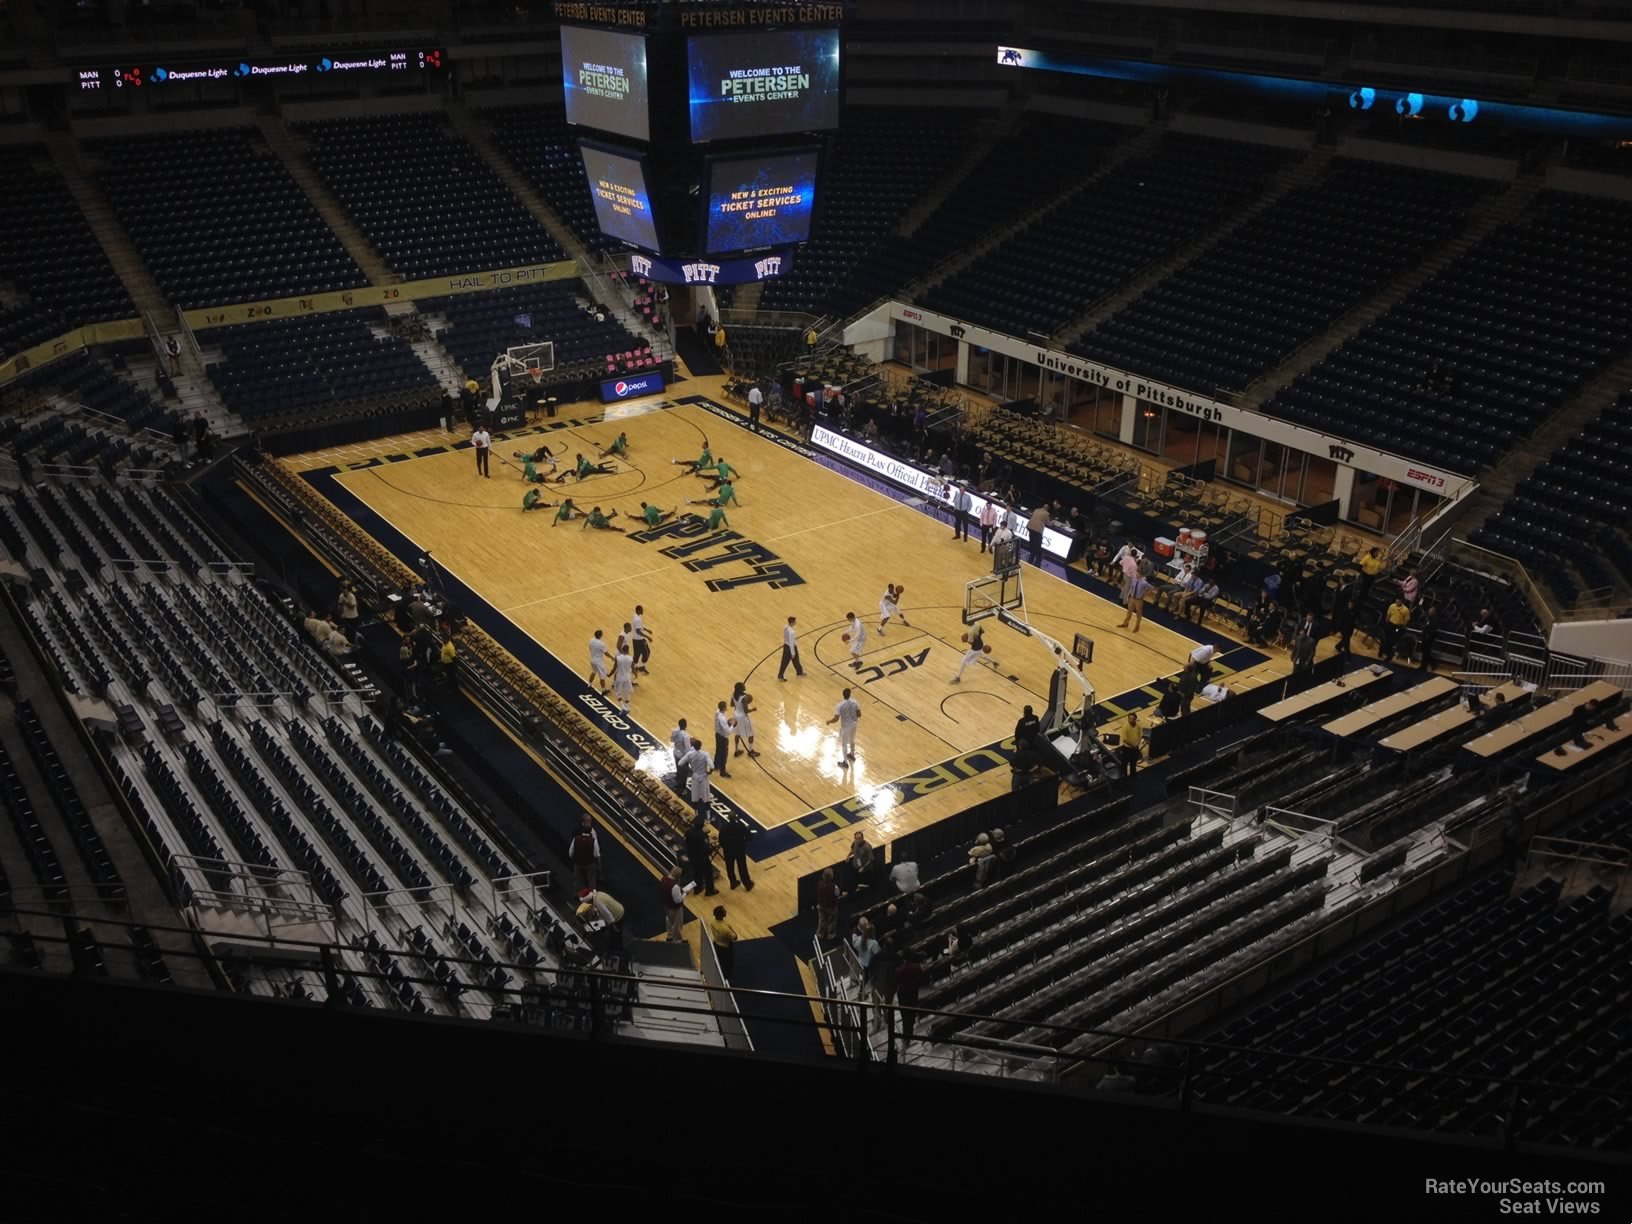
{"points": [[704, 273], [706, 550]]}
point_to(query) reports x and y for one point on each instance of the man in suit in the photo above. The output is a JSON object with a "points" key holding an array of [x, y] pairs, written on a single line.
{"points": [[1303, 651], [790, 650], [962, 503], [699, 856], [723, 726], [734, 837]]}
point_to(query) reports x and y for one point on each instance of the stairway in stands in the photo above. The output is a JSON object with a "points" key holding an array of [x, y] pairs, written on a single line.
{"points": [[194, 395], [1136, 146], [133, 272], [1487, 217], [139, 896], [291, 151], [476, 132], [1300, 173], [1499, 483], [988, 133], [475, 129]]}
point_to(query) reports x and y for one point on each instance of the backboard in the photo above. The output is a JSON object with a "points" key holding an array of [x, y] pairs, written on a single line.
{"points": [[987, 596]]}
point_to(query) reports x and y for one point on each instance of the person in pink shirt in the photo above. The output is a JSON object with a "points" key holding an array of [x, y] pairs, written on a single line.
{"points": [[988, 521], [1410, 588]]}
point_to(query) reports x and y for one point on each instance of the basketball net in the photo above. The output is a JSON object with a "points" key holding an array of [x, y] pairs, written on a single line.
{"points": [[537, 375]]}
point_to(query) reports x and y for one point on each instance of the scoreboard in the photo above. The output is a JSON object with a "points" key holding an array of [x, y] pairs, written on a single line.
{"points": [[702, 140], [151, 74]]}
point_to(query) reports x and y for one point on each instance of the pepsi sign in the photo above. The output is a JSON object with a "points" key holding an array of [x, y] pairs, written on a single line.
{"points": [[632, 387]]}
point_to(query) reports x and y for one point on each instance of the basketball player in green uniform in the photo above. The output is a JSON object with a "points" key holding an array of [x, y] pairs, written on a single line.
{"points": [[653, 515], [704, 460], [724, 473], [599, 521]]}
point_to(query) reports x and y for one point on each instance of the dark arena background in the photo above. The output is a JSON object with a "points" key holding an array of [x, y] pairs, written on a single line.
{"points": [[895, 610]]}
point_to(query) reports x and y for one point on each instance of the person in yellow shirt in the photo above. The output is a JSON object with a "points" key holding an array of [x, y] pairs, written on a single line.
{"points": [[449, 659], [1395, 621], [1371, 564], [725, 940]]}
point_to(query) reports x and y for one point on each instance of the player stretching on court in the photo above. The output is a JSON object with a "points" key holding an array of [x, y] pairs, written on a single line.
{"points": [[704, 460], [584, 469], [566, 513], [534, 500], [726, 497], [743, 703], [599, 521], [654, 515], [623, 680], [977, 648], [716, 517], [530, 461], [889, 605], [857, 637], [847, 713], [619, 446], [597, 661], [724, 474]]}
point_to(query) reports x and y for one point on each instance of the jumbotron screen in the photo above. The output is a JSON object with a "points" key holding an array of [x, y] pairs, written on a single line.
{"points": [[760, 201], [603, 75], [744, 85], [618, 189]]}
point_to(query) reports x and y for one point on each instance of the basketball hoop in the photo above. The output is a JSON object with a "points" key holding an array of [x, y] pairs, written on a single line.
{"points": [[537, 376]]}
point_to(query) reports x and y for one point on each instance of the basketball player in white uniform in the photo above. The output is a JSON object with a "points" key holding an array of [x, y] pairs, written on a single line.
{"points": [[680, 741], [695, 767], [743, 703], [858, 640], [623, 678], [597, 661], [889, 605], [847, 713]]}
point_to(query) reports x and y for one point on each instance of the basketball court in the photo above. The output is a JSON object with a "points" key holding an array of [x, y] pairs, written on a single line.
{"points": [[806, 541]]}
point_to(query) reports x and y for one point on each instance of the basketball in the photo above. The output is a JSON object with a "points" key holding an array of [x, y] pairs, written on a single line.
{"points": [[964, 638], [986, 650], [900, 591], [845, 637]]}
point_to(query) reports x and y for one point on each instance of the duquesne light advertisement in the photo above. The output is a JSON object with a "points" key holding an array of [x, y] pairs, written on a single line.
{"points": [[181, 72], [929, 484]]}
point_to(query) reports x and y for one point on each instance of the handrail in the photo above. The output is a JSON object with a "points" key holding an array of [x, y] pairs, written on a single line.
{"points": [[607, 989], [1513, 568]]}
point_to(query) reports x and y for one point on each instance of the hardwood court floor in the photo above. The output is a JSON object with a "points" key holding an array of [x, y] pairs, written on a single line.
{"points": [[806, 542]]}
